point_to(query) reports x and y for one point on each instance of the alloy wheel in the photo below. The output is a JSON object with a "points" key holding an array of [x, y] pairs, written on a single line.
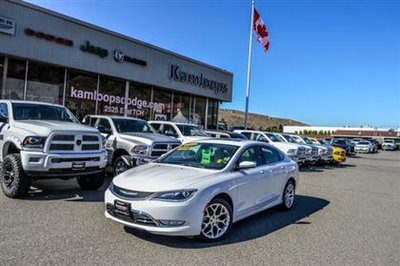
{"points": [[8, 176], [289, 195], [216, 221], [120, 167]]}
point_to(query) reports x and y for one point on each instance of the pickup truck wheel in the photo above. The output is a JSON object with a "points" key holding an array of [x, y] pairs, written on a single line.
{"points": [[120, 166], [91, 182], [14, 182]]}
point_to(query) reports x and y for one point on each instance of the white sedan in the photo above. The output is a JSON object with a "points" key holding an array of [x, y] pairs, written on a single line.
{"points": [[201, 188]]}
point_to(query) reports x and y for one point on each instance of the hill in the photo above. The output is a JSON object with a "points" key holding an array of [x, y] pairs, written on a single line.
{"points": [[256, 121]]}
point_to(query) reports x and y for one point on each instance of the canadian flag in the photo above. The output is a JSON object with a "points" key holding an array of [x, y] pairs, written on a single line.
{"points": [[261, 30]]}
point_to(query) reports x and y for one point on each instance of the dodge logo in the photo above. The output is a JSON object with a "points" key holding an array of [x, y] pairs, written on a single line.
{"points": [[119, 55], [79, 142]]}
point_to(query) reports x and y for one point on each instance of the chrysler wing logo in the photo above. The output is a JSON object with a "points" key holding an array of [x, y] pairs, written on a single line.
{"points": [[119, 55], [130, 193]]}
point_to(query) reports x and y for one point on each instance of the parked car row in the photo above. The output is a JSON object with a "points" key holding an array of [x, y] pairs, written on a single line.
{"points": [[198, 188]]}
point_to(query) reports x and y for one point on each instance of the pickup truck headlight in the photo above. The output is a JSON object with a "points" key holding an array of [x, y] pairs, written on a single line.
{"points": [[139, 149], [180, 195], [292, 152], [34, 142]]}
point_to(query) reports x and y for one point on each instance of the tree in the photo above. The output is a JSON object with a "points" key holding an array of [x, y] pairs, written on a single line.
{"points": [[321, 132], [297, 133], [280, 128]]}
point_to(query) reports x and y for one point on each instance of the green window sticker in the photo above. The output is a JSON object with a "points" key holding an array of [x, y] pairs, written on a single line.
{"points": [[205, 157]]}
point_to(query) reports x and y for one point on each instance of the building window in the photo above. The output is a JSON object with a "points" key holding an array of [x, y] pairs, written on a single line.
{"points": [[161, 105], [198, 110], [181, 108], [15, 79], [45, 83], [212, 114], [139, 102], [80, 96], [111, 97], [1, 74]]}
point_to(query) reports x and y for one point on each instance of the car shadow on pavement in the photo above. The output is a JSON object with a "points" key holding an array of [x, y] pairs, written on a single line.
{"points": [[258, 225], [68, 190]]}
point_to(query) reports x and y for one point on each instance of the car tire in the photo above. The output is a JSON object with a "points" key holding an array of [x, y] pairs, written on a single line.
{"points": [[288, 195], [119, 166], [91, 182], [217, 216], [14, 181]]}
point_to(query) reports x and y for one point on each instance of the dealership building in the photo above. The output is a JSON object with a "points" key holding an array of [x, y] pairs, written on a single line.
{"points": [[50, 57]]}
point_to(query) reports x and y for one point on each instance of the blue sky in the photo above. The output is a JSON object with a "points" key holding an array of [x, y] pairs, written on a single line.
{"points": [[330, 63]]}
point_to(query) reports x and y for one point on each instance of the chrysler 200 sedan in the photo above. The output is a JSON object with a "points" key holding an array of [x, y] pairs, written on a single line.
{"points": [[201, 188]]}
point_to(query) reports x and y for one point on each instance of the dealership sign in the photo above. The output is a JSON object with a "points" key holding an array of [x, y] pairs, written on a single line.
{"points": [[7, 26], [48, 37], [120, 56], [176, 74]]}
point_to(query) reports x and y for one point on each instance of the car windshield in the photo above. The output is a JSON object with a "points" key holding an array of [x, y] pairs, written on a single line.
{"points": [[339, 141], [28, 111], [132, 125], [289, 139], [201, 155], [388, 141], [273, 137], [308, 141], [192, 131]]}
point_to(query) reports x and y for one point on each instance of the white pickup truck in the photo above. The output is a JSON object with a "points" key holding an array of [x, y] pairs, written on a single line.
{"points": [[295, 151], [41, 140]]}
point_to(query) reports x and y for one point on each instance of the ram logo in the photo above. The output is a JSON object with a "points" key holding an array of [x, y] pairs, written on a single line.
{"points": [[119, 55]]}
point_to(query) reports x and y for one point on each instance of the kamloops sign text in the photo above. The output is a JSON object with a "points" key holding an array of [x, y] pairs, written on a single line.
{"points": [[176, 74]]}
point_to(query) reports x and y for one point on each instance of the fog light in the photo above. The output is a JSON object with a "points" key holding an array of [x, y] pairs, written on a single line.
{"points": [[171, 222], [34, 159]]}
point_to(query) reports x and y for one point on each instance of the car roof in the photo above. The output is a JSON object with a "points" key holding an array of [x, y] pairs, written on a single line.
{"points": [[234, 142], [170, 122], [32, 102], [117, 117]]}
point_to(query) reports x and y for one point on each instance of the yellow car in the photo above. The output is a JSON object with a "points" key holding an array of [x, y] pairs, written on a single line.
{"points": [[339, 155]]}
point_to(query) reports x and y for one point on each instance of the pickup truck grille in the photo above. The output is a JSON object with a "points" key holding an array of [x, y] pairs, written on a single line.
{"points": [[301, 151], [64, 142], [159, 149], [314, 151]]}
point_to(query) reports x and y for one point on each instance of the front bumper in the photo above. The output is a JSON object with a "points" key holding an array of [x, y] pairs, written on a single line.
{"points": [[362, 149], [146, 215], [40, 164], [339, 159]]}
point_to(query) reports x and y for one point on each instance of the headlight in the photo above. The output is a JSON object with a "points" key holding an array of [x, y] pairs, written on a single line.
{"points": [[34, 142], [180, 195], [139, 149], [292, 151]]}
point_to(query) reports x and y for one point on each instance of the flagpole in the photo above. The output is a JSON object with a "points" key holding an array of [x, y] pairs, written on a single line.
{"points": [[249, 66]]}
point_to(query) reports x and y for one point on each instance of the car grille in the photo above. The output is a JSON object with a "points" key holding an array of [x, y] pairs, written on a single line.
{"points": [[130, 194], [135, 217], [74, 142], [314, 151], [159, 149], [301, 151]]}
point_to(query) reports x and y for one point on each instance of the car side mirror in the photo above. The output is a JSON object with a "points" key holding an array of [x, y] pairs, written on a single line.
{"points": [[104, 130], [245, 165]]}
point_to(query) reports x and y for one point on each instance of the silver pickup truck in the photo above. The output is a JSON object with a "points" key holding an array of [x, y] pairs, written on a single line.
{"points": [[130, 141], [41, 140]]}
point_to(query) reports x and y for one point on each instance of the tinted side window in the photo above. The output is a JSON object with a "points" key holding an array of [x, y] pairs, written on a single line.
{"points": [[168, 129], [260, 137], [156, 126], [247, 134], [103, 122], [252, 154], [271, 155], [223, 136], [3, 110]]}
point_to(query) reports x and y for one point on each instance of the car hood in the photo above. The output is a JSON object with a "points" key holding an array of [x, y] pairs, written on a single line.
{"points": [[194, 138], [148, 138], [283, 146], [45, 127], [155, 177]]}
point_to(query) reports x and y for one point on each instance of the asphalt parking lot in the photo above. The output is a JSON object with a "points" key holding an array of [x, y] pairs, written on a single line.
{"points": [[346, 215]]}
